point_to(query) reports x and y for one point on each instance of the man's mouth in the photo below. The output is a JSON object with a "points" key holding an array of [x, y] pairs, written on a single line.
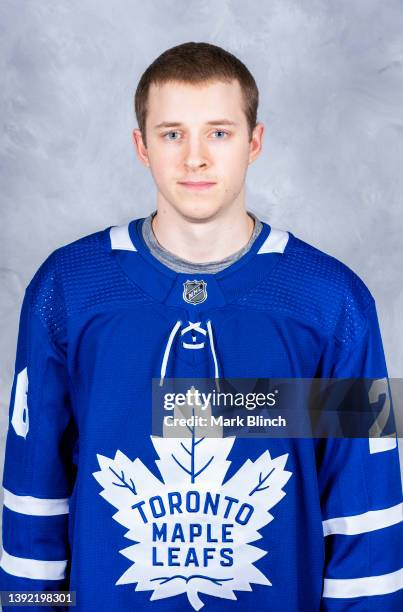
{"points": [[197, 185]]}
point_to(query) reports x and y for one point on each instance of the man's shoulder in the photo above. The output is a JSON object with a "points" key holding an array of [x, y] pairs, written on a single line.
{"points": [[76, 254], [99, 243], [67, 268], [80, 274], [314, 286], [87, 246], [313, 267]]}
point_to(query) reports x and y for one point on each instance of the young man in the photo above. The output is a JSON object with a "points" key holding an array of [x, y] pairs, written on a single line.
{"points": [[200, 288]]}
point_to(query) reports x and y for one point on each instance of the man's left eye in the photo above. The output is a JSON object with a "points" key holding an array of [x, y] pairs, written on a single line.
{"points": [[220, 132]]}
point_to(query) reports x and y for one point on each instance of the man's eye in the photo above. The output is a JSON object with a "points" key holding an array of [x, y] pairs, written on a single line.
{"points": [[169, 133], [220, 132]]}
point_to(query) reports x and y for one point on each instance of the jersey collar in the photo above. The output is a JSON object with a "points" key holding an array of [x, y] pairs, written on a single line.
{"points": [[194, 291]]}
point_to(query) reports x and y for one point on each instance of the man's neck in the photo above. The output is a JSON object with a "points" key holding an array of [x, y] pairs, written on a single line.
{"points": [[202, 241]]}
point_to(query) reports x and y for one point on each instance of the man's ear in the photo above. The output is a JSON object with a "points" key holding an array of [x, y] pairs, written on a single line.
{"points": [[140, 147], [256, 142]]}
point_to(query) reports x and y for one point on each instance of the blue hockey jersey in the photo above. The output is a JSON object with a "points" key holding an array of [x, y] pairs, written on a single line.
{"points": [[131, 521]]}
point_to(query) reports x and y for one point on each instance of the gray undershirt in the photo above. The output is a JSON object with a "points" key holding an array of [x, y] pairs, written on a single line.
{"points": [[183, 265]]}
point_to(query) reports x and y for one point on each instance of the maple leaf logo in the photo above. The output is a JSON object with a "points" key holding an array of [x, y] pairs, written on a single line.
{"points": [[192, 532]]}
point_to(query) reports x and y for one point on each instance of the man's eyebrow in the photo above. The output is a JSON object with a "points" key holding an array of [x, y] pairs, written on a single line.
{"points": [[166, 124]]}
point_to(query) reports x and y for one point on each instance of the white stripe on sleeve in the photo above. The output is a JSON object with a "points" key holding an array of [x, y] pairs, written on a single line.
{"points": [[362, 523], [32, 568], [25, 504], [361, 587]]}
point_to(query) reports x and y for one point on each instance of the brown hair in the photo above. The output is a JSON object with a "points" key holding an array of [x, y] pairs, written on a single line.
{"points": [[195, 63]]}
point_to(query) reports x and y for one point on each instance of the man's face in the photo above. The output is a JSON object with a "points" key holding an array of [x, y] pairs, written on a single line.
{"points": [[198, 133]]}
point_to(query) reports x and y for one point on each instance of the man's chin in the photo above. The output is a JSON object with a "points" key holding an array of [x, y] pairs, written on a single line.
{"points": [[199, 212]]}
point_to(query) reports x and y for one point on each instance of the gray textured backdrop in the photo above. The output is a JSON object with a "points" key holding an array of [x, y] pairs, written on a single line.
{"points": [[330, 80]]}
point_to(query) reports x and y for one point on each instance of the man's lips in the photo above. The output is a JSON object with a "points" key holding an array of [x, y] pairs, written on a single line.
{"points": [[196, 184]]}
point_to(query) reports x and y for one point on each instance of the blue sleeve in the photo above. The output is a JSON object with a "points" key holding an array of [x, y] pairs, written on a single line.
{"points": [[38, 472], [361, 496]]}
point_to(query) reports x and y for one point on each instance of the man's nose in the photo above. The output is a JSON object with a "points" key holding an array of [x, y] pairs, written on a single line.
{"points": [[196, 154]]}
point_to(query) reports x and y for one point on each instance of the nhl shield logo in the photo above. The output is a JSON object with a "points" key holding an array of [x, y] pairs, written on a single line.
{"points": [[194, 291]]}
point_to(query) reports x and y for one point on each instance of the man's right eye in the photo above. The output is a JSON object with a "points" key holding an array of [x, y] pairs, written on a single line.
{"points": [[169, 133]]}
